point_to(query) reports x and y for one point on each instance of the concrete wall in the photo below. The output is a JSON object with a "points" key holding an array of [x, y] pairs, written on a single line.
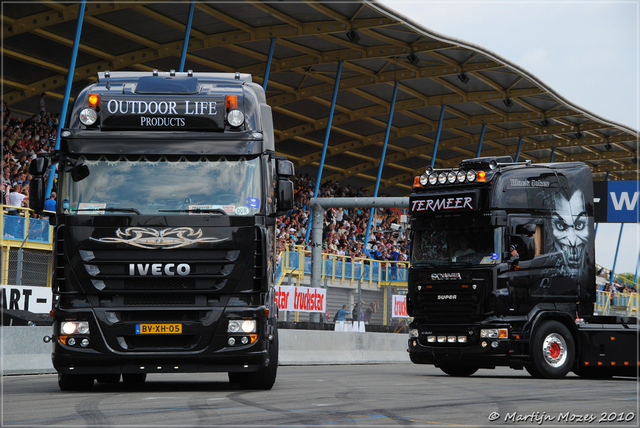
{"points": [[24, 352]]}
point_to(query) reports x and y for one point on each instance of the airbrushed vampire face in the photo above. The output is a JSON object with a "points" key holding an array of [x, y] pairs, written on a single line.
{"points": [[570, 231]]}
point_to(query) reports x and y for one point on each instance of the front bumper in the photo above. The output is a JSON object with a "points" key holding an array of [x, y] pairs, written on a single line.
{"points": [[477, 352], [202, 346]]}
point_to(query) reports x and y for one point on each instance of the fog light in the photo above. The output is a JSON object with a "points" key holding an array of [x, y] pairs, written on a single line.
{"points": [[442, 339], [415, 343], [71, 341], [84, 343], [451, 339], [431, 339], [484, 344], [494, 344], [244, 340], [462, 339], [231, 341]]}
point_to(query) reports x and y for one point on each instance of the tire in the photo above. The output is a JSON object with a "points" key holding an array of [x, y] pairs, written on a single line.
{"points": [[264, 378], [74, 382], [552, 352], [134, 377], [108, 378], [459, 371]]}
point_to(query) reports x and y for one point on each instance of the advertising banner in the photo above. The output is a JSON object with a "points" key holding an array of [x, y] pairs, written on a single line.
{"points": [[301, 299], [615, 201], [399, 306], [25, 298]]}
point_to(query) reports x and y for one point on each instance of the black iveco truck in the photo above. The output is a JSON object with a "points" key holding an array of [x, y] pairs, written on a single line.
{"points": [[503, 273], [164, 254]]}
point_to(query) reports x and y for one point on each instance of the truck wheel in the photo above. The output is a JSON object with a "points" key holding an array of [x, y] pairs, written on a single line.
{"points": [[74, 382], [459, 371], [134, 377], [553, 351], [263, 378], [108, 378]]}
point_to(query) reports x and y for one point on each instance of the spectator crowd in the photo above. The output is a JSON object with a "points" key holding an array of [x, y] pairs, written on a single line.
{"points": [[344, 230], [22, 140]]}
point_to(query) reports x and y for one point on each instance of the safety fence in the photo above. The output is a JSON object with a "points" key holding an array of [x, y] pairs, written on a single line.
{"points": [[26, 248], [342, 268], [608, 303]]}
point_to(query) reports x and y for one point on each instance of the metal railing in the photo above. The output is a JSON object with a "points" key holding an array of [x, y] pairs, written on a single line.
{"points": [[341, 268]]}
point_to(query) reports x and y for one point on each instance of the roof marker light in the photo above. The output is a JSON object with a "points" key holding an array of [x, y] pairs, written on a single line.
{"points": [[94, 101]]}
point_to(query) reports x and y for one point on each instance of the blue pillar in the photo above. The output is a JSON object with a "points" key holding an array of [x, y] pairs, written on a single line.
{"points": [[384, 153], [519, 147], [615, 258], [67, 93], [553, 152], [187, 31], [435, 146], [484, 126], [270, 57], [324, 147]]}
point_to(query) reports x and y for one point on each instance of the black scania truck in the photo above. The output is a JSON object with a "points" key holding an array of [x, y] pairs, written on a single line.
{"points": [[503, 273], [164, 252]]}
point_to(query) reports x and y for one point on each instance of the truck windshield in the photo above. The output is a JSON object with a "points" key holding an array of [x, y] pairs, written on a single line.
{"points": [[179, 185], [446, 242]]}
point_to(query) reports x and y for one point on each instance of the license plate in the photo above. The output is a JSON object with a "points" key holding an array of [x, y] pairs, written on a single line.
{"points": [[158, 328]]}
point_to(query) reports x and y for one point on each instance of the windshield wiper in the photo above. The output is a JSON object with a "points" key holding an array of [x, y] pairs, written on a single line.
{"points": [[111, 209], [427, 264], [196, 210], [462, 264]]}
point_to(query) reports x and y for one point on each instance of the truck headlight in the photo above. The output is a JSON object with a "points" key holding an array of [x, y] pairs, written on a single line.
{"points": [[242, 326], [494, 333], [88, 116], [74, 327], [235, 118], [413, 332]]}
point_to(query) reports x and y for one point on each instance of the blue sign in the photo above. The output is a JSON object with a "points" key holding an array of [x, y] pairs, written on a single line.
{"points": [[622, 202], [253, 203]]}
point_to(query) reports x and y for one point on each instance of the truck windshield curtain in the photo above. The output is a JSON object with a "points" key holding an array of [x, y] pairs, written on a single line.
{"points": [[167, 185], [445, 242]]}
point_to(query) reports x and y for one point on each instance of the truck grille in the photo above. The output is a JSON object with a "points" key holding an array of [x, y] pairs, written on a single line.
{"points": [[159, 299], [461, 309], [144, 270]]}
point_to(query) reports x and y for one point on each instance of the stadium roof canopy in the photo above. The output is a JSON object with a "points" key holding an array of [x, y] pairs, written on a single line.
{"points": [[377, 47]]}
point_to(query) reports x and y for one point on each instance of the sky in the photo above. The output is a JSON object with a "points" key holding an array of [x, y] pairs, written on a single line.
{"points": [[586, 51]]}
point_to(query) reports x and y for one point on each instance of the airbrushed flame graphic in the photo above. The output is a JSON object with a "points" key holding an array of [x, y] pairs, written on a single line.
{"points": [[154, 239]]}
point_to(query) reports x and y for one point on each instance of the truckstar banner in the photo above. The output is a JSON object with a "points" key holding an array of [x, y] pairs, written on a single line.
{"points": [[399, 306], [301, 299]]}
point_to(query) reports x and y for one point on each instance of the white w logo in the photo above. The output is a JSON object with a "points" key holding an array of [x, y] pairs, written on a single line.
{"points": [[624, 199]]}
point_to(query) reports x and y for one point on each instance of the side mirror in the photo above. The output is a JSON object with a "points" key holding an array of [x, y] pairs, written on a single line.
{"points": [[37, 187], [38, 167], [284, 195], [79, 171], [284, 168]]}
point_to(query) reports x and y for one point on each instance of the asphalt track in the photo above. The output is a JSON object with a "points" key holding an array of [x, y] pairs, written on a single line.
{"points": [[365, 395]]}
